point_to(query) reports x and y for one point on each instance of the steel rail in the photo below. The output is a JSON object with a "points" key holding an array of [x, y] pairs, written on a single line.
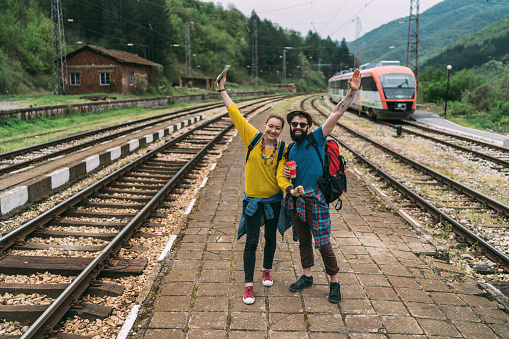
{"points": [[461, 137], [60, 306], [481, 155], [490, 251]]}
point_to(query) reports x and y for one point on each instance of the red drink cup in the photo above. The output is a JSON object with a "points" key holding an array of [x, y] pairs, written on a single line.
{"points": [[292, 167]]}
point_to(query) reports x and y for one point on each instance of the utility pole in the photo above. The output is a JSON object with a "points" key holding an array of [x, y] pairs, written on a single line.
{"points": [[358, 28], [60, 83], [284, 66], [188, 50], [254, 55], [412, 54]]}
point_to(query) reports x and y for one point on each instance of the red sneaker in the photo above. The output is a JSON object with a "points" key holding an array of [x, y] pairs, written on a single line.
{"points": [[249, 295], [267, 280]]}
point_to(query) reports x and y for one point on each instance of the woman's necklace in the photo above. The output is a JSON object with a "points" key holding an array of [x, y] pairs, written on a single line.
{"points": [[271, 157]]}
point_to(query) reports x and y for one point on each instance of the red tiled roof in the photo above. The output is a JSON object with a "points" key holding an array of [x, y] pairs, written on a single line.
{"points": [[119, 55]]}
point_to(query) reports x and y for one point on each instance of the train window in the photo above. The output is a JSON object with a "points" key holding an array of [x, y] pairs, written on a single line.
{"points": [[368, 84], [397, 81]]}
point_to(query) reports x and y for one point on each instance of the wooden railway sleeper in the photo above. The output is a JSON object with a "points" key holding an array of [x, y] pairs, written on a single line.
{"points": [[96, 282]]}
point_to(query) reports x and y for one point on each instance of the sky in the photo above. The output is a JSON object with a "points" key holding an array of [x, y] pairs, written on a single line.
{"points": [[334, 18]]}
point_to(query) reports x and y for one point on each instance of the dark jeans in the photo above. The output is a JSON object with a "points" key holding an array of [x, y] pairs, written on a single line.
{"points": [[252, 236], [304, 232]]}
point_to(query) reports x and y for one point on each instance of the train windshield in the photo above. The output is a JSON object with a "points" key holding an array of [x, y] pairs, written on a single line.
{"points": [[398, 86]]}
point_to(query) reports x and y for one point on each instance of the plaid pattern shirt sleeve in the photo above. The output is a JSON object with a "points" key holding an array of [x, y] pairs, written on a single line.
{"points": [[321, 216]]}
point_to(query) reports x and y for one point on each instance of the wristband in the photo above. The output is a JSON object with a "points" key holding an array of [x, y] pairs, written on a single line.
{"points": [[224, 89]]}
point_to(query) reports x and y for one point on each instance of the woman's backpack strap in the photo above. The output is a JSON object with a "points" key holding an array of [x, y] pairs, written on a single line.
{"points": [[253, 143]]}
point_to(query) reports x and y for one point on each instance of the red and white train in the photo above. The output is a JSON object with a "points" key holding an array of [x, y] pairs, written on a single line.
{"points": [[387, 90]]}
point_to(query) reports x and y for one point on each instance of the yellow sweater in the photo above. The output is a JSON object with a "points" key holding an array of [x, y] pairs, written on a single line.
{"points": [[261, 180]]}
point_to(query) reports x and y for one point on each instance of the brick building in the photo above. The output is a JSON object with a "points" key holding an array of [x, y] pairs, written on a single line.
{"points": [[94, 69]]}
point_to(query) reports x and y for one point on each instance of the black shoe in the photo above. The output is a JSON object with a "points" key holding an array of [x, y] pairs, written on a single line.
{"points": [[302, 283], [335, 293]]}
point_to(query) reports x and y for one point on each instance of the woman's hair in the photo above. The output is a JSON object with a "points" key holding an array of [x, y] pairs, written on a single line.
{"points": [[277, 116]]}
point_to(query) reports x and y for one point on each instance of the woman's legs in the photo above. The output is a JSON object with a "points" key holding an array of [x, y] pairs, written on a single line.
{"points": [[270, 237], [252, 235]]}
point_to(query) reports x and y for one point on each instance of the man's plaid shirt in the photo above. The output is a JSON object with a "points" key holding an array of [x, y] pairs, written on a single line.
{"points": [[321, 217]]}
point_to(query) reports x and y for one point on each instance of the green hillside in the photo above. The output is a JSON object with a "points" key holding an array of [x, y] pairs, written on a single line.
{"points": [[490, 43], [441, 25]]}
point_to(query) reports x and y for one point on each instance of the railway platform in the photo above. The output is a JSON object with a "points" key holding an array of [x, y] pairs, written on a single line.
{"points": [[392, 283], [437, 121]]}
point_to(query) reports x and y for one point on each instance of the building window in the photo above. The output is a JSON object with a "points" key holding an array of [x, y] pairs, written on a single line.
{"points": [[104, 78], [74, 79], [131, 78]]}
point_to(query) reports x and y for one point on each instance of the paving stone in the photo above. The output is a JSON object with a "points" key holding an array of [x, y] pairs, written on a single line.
{"points": [[208, 320], [164, 334], [363, 323], [216, 265], [182, 275], [459, 313], [373, 280], [285, 305], [434, 327], [422, 310], [356, 307], [320, 305], [446, 298], [474, 330], [172, 303], [180, 288], [248, 321], [381, 293], [326, 323], [287, 322], [327, 335], [213, 289], [411, 294], [205, 303], [491, 316], [204, 333], [215, 276], [401, 325], [385, 307], [234, 334], [403, 282], [288, 335], [169, 320]]}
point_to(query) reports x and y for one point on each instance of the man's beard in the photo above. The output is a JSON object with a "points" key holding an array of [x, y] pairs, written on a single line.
{"points": [[298, 138]]}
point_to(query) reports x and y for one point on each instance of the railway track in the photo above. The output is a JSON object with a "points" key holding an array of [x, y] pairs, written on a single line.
{"points": [[470, 214], [498, 155], [125, 205], [478, 149], [26, 157]]}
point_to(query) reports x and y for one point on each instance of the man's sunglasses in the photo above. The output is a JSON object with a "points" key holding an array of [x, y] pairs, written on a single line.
{"points": [[301, 124]]}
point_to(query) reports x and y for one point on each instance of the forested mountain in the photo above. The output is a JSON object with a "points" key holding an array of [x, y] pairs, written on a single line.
{"points": [[490, 43], [156, 29], [441, 25]]}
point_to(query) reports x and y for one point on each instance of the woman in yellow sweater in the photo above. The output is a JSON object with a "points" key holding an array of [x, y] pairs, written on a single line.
{"points": [[264, 186]]}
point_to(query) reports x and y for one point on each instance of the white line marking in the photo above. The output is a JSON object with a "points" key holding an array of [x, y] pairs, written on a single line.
{"points": [[204, 182], [190, 207], [213, 166], [129, 322], [167, 248]]}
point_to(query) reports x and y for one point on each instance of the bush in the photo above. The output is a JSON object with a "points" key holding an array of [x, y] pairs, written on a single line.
{"points": [[461, 108], [481, 97]]}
